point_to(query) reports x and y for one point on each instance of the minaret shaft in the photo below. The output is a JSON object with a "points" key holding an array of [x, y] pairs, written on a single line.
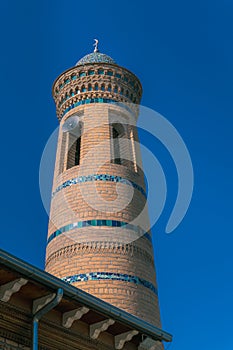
{"points": [[96, 240]]}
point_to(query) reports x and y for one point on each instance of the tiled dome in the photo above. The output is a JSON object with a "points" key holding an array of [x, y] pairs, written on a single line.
{"points": [[95, 57]]}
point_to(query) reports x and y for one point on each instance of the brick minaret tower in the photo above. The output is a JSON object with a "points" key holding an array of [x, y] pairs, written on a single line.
{"points": [[96, 240]]}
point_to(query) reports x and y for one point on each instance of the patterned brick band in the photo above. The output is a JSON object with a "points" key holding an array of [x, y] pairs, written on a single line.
{"points": [[88, 223], [97, 247], [97, 100], [94, 276], [99, 177]]}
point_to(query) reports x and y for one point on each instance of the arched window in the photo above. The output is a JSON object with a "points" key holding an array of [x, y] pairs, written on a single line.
{"points": [[74, 145], [116, 89], [73, 76], [89, 87], [83, 89], [109, 88], [103, 87], [96, 87], [117, 132], [77, 151]]}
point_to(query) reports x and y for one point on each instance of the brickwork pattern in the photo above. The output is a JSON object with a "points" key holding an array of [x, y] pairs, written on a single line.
{"points": [[102, 249], [96, 80]]}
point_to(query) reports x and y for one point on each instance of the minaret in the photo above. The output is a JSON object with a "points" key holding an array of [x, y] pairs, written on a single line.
{"points": [[96, 239]]}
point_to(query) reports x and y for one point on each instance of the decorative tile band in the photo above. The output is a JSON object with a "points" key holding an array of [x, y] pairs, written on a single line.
{"points": [[99, 177], [103, 87], [88, 223], [94, 276], [123, 77], [96, 100]]}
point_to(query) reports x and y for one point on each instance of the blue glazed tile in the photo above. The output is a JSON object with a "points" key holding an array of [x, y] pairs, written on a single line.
{"points": [[94, 222], [97, 100], [99, 177], [111, 276], [98, 222]]}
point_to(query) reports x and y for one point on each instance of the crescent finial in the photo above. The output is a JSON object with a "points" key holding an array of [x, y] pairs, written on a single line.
{"points": [[96, 45]]}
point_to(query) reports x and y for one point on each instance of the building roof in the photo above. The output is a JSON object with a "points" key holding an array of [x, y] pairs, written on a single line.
{"points": [[39, 283], [95, 57]]}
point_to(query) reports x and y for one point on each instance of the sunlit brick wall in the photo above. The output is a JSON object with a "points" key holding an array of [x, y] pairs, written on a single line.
{"points": [[92, 243]]}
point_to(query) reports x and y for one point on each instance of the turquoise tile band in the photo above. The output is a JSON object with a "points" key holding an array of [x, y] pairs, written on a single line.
{"points": [[98, 222], [97, 100], [94, 276], [99, 177]]}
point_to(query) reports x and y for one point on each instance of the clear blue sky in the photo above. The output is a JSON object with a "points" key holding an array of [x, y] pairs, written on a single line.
{"points": [[182, 51]]}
